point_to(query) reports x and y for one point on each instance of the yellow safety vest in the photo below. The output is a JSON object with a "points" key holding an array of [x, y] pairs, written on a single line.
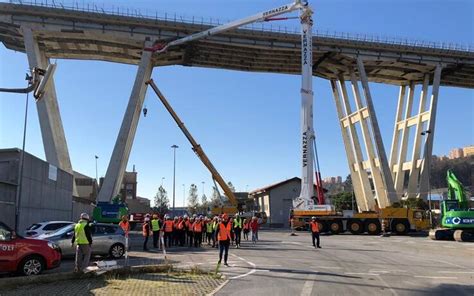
{"points": [[155, 225], [80, 233], [238, 222]]}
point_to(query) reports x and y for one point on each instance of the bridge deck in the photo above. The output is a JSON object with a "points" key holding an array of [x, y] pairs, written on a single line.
{"points": [[72, 34]]}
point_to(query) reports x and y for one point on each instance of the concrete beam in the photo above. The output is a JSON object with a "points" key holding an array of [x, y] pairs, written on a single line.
{"points": [[382, 156], [52, 131], [123, 145]]}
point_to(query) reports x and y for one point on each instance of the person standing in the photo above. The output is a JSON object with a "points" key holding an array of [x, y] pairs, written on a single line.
{"points": [[168, 232], [209, 230], [254, 228], [223, 235], [215, 223], [146, 230], [314, 227], [125, 225], [237, 225], [191, 232], [197, 229], [246, 229], [83, 239], [155, 228]]}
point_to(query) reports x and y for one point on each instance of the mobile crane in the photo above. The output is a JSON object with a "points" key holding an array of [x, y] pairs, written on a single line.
{"points": [[307, 131], [457, 219]]}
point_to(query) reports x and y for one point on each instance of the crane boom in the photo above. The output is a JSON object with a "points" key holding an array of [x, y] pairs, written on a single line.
{"points": [[262, 16], [196, 147]]}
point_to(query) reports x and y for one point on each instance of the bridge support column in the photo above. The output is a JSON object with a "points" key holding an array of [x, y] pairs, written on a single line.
{"points": [[422, 123], [347, 120], [123, 145], [52, 132]]}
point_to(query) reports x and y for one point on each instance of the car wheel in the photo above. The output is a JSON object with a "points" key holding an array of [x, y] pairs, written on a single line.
{"points": [[32, 265], [117, 251]]}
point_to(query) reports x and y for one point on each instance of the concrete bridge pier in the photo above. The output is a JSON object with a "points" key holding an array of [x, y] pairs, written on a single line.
{"points": [[418, 124], [123, 145], [52, 131]]}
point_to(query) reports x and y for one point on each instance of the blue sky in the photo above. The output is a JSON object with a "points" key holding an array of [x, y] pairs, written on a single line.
{"points": [[248, 123]]}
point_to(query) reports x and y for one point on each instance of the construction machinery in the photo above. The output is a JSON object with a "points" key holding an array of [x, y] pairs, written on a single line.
{"points": [[457, 218]]}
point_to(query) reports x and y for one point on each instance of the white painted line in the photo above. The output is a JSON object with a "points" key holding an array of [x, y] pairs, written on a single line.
{"points": [[245, 274], [436, 277], [329, 267], [449, 263], [272, 265], [457, 272], [218, 288], [308, 285], [361, 273], [263, 270]]}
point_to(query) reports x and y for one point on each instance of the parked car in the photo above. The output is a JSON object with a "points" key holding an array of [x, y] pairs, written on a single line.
{"points": [[45, 227], [26, 256], [108, 239]]}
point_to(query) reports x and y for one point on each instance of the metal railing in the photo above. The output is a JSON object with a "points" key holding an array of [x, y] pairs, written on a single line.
{"points": [[82, 6]]}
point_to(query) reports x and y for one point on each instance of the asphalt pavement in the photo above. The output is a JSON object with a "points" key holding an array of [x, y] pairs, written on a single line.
{"points": [[280, 264]]}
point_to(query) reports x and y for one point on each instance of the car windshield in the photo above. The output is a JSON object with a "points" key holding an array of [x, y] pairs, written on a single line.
{"points": [[62, 231]]}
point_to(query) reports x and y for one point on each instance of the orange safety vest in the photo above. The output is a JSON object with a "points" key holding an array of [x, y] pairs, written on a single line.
{"points": [[314, 226], [168, 226], [145, 231], [246, 225], [197, 227], [125, 226], [224, 231], [180, 225]]}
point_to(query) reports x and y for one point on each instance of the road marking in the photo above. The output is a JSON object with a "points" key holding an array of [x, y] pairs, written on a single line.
{"points": [[449, 263], [272, 265], [263, 270], [436, 277], [254, 269], [308, 285], [456, 272], [361, 273]]}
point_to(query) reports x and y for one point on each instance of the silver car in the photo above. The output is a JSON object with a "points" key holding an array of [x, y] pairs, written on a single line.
{"points": [[107, 239]]}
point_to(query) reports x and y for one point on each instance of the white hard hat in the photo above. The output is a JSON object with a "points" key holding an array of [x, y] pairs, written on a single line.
{"points": [[85, 216], [313, 218]]}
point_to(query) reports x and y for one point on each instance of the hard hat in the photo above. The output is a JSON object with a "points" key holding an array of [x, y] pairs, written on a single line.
{"points": [[225, 216], [85, 216], [194, 215], [147, 215], [176, 217], [147, 219], [237, 215], [185, 216], [313, 218], [166, 216]]}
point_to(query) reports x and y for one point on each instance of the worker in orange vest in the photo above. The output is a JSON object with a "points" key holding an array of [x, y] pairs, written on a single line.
{"points": [[125, 225], [146, 231], [246, 229], [223, 235], [168, 231], [314, 227], [191, 232], [197, 229], [180, 230]]}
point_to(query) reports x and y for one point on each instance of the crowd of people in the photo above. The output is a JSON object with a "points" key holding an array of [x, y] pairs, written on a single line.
{"points": [[196, 230]]}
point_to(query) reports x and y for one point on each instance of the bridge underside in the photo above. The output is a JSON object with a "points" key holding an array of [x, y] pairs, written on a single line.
{"points": [[378, 179], [94, 36]]}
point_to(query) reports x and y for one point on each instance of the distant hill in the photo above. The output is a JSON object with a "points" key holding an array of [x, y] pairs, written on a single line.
{"points": [[462, 167]]}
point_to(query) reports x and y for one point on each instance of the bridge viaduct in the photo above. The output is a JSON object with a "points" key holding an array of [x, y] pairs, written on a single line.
{"points": [[378, 177]]}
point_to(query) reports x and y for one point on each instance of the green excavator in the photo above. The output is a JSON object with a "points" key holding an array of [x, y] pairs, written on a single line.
{"points": [[457, 218]]}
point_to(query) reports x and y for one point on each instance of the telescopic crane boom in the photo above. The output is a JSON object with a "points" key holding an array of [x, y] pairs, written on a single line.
{"points": [[196, 147]]}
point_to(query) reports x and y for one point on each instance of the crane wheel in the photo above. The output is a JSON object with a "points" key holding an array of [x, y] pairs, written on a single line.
{"points": [[355, 227], [400, 227], [373, 227], [335, 227]]}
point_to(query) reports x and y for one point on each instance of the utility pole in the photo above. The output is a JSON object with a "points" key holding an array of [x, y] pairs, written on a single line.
{"points": [[203, 187], [428, 172], [96, 171], [162, 178], [184, 196], [174, 175]]}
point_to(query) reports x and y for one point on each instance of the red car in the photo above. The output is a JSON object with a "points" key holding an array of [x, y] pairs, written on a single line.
{"points": [[26, 256]]}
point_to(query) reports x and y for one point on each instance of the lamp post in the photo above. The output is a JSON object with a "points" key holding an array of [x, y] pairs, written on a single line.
{"points": [[428, 167], [162, 178], [203, 187], [96, 171], [184, 196], [174, 174]]}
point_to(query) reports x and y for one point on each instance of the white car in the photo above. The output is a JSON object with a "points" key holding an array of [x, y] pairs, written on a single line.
{"points": [[45, 227]]}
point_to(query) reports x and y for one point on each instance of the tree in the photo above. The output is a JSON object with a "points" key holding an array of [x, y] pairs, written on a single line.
{"points": [[343, 201], [193, 202], [231, 186], [117, 199], [204, 204], [348, 184], [161, 201]]}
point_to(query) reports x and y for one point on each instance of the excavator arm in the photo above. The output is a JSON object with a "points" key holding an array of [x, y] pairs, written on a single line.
{"points": [[456, 190], [196, 147]]}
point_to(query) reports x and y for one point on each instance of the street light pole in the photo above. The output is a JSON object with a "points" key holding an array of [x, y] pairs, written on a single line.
{"points": [[203, 187], [174, 175], [184, 196], [428, 167], [96, 171], [162, 178]]}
